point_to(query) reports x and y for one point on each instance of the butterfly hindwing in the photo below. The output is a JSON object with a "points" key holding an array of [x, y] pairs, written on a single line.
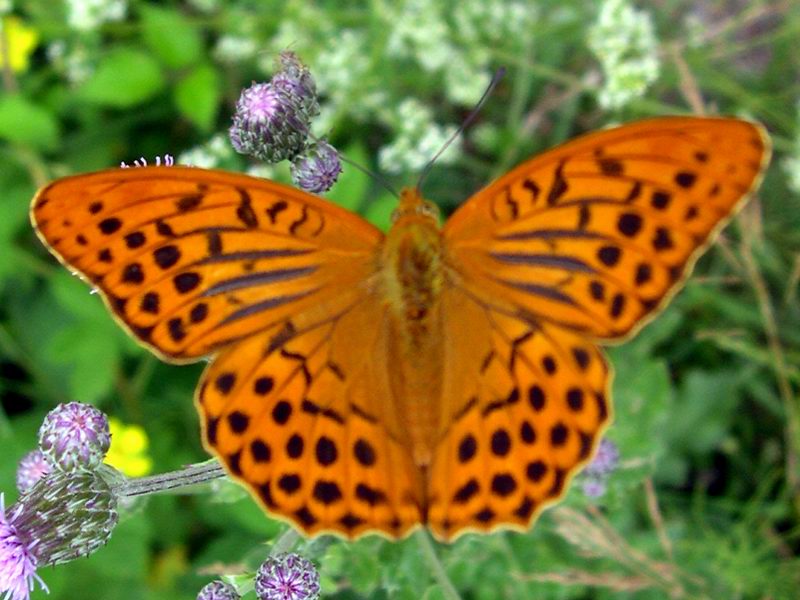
{"points": [[595, 234], [193, 259], [527, 403], [300, 414]]}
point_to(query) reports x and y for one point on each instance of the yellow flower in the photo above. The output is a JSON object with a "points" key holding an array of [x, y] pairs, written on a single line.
{"points": [[17, 43], [128, 452]]}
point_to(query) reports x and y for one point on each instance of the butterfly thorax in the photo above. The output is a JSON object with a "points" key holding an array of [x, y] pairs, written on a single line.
{"points": [[412, 284]]}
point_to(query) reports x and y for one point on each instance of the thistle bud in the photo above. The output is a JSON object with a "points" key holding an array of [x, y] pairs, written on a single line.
{"points": [[74, 436], [317, 169]]}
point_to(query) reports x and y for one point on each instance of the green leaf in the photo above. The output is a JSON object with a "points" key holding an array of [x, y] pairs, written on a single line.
{"points": [[23, 122], [197, 96], [379, 211], [124, 78], [352, 184], [171, 36]]}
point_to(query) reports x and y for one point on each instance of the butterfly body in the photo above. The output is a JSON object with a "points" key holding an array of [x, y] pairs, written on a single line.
{"points": [[441, 377], [412, 273]]}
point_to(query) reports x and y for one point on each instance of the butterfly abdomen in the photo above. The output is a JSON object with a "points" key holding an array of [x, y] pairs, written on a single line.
{"points": [[412, 285]]}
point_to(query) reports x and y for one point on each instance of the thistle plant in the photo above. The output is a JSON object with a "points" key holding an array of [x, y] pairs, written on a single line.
{"points": [[272, 122], [218, 590], [32, 467], [287, 577], [70, 502]]}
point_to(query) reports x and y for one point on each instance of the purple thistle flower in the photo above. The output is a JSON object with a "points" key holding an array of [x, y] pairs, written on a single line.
{"points": [[32, 467], [317, 169], [605, 460], [294, 77], [594, 487], [65, 516], [74, 436], [218, 590], [269, 123], [287, 577], [17, 560], [62, 517]]}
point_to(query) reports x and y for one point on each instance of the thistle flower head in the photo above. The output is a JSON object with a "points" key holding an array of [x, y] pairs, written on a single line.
{"points": [[65, 516], [31, 469], [269, 123], [287, 577], [294, 77], [17, 560], [317, 169], [218, 590], [74, 436], [62, 517]]}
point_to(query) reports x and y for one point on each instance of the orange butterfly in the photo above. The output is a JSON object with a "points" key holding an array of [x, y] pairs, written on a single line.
{"points": [[442, 377]]}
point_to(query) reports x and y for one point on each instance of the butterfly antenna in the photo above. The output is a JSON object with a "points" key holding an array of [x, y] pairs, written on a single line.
{"points": [[498, 75], [365, 170]]}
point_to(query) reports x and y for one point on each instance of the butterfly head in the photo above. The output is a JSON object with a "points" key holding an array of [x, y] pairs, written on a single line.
{"points": [[413, 208]]}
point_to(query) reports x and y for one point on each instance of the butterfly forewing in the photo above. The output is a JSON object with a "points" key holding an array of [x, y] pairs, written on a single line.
{"points": [[193, 259], [593, 235]]}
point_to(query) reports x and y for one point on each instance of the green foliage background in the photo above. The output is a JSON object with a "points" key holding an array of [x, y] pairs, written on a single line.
{"points": [[706, 501]]}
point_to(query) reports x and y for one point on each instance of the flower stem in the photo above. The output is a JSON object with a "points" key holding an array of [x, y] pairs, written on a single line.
{"points": [[448, 589], [188, 476]]}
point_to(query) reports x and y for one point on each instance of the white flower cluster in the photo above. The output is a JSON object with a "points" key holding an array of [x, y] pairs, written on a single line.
{"points": [[624, 41], [73, 61], [791, 164], [418, 139], [208, 155], [85, 15], [452, 41], [458, 49], [234, 48]]}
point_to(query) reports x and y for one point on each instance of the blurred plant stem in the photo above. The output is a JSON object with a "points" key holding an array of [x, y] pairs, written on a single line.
{"points": [[439, 574], [792, 429]]}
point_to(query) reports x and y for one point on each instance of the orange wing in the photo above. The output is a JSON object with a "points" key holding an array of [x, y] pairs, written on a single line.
{"points": [[526, 404], [593, 235], [302, 415], [190, 260]]}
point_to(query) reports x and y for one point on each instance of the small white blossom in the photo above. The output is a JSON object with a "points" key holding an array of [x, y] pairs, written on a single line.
{"points": [[417, 139], [465, 82], [624, 41], [85, 15], [417, 30], [208, 155], [493, 22], [234, 48]]}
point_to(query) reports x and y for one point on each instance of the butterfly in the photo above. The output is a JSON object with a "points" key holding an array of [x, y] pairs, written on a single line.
{"points": [[441, 377]]}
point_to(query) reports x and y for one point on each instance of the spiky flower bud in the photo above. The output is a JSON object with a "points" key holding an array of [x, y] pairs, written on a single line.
{"points": [[64, 516], [317, 169], [269, 123], [74, 436], [32, 467], [287, 577], [218, 590], [294, 77]]}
